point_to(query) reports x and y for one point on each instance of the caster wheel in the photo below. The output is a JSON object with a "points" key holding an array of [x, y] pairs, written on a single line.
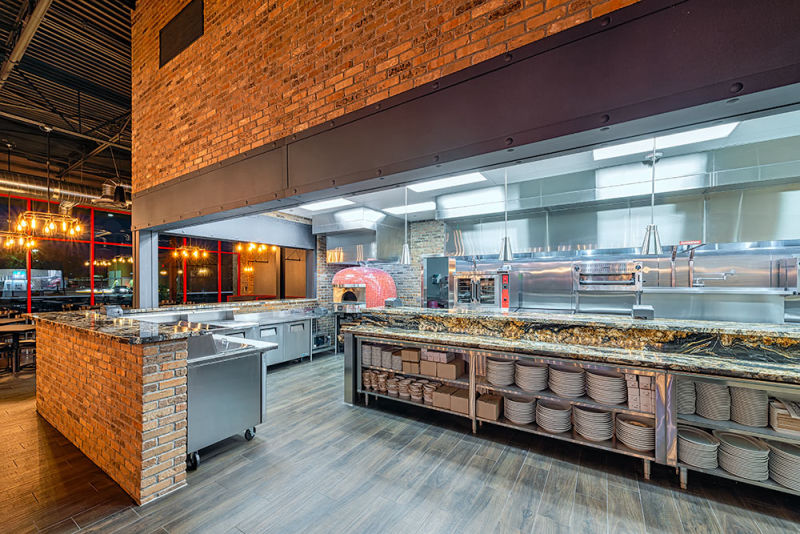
{"points": [[192, 461], [250, 433]]}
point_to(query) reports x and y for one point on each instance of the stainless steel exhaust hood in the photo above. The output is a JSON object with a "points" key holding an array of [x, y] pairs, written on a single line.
{"points": [[359, 235]]}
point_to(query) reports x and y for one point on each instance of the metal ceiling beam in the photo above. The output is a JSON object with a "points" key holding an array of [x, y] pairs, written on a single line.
{"points": [[24, 39], [101, 147], [61, 77], [40, 124]]}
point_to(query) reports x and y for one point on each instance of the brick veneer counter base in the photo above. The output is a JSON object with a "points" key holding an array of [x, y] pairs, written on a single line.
{"points": [[117, 390], [122, 404]]}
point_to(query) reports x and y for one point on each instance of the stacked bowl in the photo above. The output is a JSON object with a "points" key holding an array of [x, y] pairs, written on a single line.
{"points": [[784, 464], [697, 447], [637, 433], [530, 376], [519, 410], [500, 372], [750, 406], [743, 456], [686, 396], [606, 387], [567, 381], [553, 416], [594, 425], [713, 401]]}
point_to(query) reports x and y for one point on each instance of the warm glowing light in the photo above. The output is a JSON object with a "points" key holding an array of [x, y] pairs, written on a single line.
{"points": [[19, 227], [195, 254], [23, 224], [64, 226], [251, 246], [175, 254], [21, 241], [239, 247], [77, 228], [47, 229], [185, 253], [274, 248], [205, 253], [33, 223], [52, 225]]}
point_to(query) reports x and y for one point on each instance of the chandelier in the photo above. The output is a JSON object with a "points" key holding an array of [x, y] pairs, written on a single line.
{"points": [[46, 223], [187, 251], [255, 247], [14, 239]]}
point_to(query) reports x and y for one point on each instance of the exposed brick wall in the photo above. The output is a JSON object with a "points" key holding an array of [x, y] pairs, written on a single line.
{"points": [[122, 405], [266, 69]]}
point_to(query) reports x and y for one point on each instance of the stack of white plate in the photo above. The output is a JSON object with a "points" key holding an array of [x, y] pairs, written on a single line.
{"points": [[784, 464], [567, 381], [553, 416], [713, 401], [594, 425], [530, 376], [697, 447], [637, 433], [750, 406], [686, 395], [743, 456], [519, 410], [606, 387], [500, 372]]}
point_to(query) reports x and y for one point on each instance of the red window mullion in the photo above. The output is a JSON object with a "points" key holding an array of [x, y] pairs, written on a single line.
{"points": [[185, 274], [28, 270], [219, 271]]}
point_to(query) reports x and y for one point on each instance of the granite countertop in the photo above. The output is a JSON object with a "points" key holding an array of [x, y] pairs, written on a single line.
{"points": [[786, 331], [121, 328], [131, 330], [690, 363]]}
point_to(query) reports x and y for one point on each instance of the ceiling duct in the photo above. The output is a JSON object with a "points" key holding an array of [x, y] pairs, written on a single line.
{"points": [[26, 184], [112, 195], [359, 235]]}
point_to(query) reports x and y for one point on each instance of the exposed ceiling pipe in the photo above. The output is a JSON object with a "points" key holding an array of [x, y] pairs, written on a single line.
{"points": [[25, 37], [15, 182]]}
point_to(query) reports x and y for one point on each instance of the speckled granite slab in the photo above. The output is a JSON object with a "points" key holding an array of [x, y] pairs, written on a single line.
{"points": [[121, 329], [746, 341], [689, 363], [138, 332]]}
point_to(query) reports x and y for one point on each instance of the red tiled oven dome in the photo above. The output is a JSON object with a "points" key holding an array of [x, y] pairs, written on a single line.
{"points": [[379, 284]]}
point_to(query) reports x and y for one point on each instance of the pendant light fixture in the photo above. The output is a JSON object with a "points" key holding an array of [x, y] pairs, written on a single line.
{"points": [[506, 255], [405, 256], [651, 245]]}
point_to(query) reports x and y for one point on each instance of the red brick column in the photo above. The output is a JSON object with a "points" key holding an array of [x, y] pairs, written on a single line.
{"points": [[122, 405]]}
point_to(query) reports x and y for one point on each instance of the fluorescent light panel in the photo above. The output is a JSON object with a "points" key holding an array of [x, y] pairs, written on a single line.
{"points": [[452, 181], [326, 204], [665, 141], [411, 208]]}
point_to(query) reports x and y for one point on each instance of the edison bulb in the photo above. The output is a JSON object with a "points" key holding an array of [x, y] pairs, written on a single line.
{"points": [[77, 228], [175, 254], [205, 253], [33, 223], [21, 241], [23, 224], [52, 225]]}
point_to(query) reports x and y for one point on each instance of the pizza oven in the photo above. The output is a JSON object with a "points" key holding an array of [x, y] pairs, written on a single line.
{"points": [[356, 288]]}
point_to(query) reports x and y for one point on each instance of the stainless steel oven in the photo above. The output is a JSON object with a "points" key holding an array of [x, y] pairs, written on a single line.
{"points": [[475, 289]]}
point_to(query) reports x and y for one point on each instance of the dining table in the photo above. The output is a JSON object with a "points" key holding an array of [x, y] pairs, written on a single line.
{"points": [[16, 331]]}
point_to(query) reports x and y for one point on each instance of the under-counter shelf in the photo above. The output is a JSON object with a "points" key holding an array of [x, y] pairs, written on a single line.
{"points": [[719, 472], [458, 381], [584, 401], [412, 402], [732, 426], [573, 437]]}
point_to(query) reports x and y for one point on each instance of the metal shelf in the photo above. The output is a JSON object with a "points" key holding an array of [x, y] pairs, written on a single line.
{"points": [[414, 403], [572, 436], [549, 395], [766, 432], [460, 381], [719, 472]]}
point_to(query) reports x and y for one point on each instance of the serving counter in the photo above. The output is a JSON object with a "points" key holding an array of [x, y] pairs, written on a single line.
{"points": [[117, 389], [658, 352]]}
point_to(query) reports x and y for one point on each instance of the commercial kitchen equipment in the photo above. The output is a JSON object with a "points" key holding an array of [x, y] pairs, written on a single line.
{"points": [[435, 281], [358, 288], [226, 390], [748, 282], [481, 289]]}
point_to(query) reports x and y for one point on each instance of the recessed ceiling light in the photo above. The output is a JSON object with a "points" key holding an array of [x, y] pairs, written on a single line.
{"points": [[411, 208], [326, 204], [452, 181], [665, 141]]}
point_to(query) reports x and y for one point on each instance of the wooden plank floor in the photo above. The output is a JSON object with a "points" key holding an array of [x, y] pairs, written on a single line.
{"points": [[321, 466]]}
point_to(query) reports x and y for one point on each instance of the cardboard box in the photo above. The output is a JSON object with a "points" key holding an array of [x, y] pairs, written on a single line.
{"points": [[411, 367], [447, 357], [427, 368], [450, 370], [631, 381], [633, 399], [459, 401], [410, 355], [645, 382], [646, 400], [431, 355], [488, 407], [441, 397]]}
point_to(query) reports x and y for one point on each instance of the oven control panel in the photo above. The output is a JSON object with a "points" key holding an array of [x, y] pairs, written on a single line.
{"points": [[504, 299]]}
